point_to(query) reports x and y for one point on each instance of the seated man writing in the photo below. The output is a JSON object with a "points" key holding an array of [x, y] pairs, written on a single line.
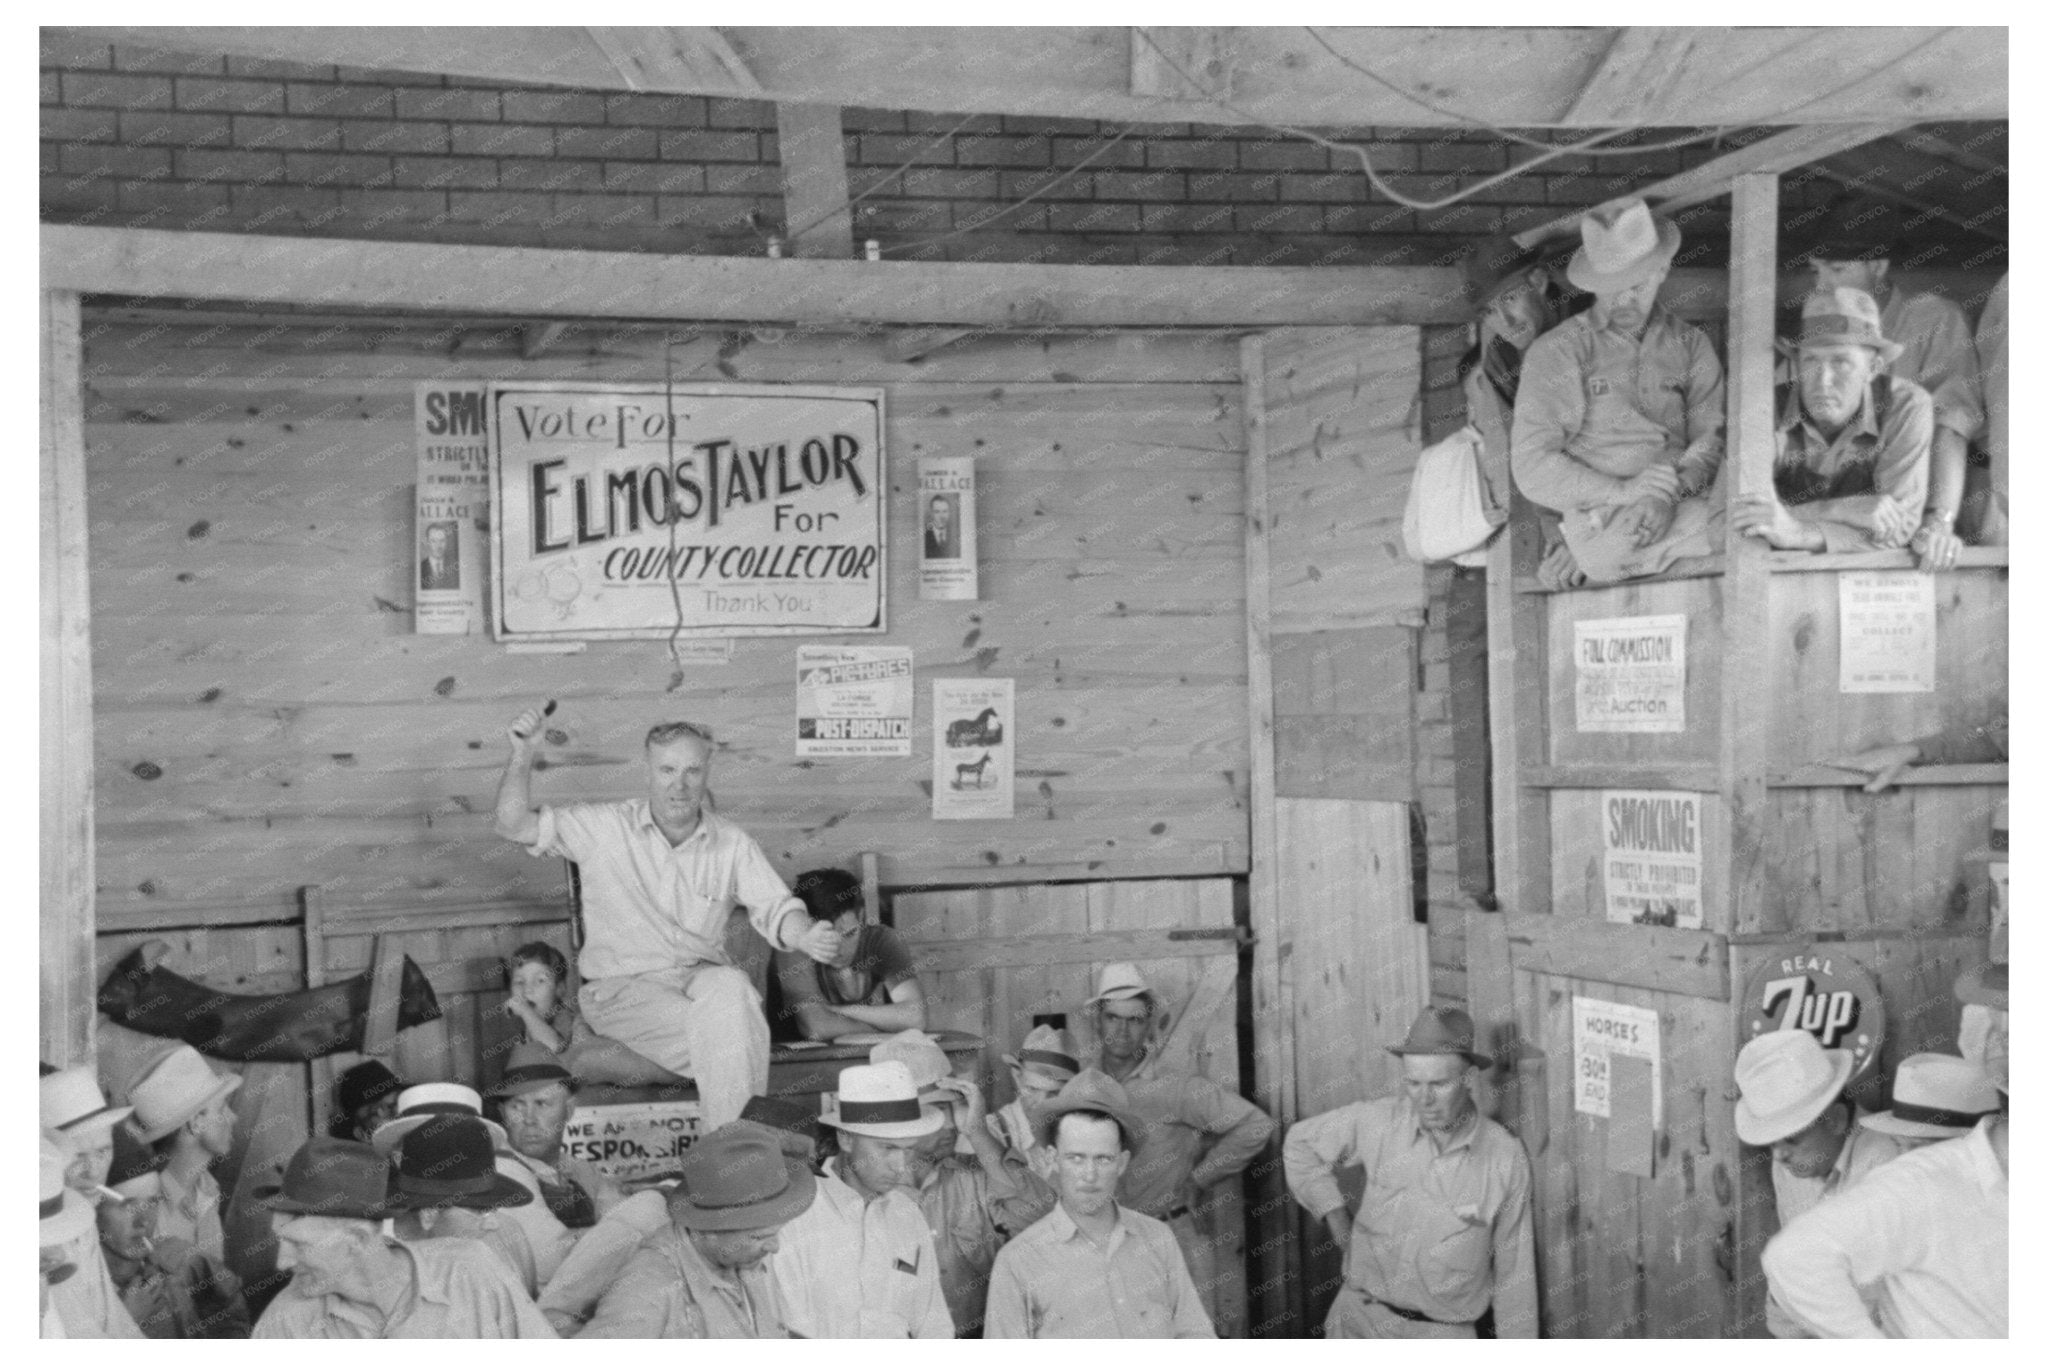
{"points": [[1851, 470], [1618, 418], [661, 875], [869, 986]]}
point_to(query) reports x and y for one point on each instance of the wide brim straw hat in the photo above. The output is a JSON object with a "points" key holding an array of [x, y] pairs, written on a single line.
{"points": [[881, 1101], [1787, 1080], [175, 1087], [422, 1102], [1935, 1095], [73, 1103]]}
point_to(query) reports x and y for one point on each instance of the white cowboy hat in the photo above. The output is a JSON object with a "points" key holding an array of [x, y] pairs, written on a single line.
{"points": [[881, 1101], [177, 1085], [1787, 1081], [73, 1103], [1120, 981], [1620, 247], [1935, 1095], [417, 1104]]}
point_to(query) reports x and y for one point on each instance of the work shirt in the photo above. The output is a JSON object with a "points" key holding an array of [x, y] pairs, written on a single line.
{"points": [[969, 1226], [880, 961], [1180, 1110], [650, 906], [1928, 1232], [191, 1213], [669, 1290], [1862, 1152], [1597, 406], [1053, 1281], [87, 1302], [178, 1294], [541, 1236], [857, 1267], [1439, 1233], [1939, 356], [460, 1289], [1882, 448]]}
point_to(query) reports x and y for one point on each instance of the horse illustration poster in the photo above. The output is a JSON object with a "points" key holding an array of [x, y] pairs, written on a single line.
{"points": [[634, 511], [974, 755], [451, 508], [948, 569], [853, 701]]}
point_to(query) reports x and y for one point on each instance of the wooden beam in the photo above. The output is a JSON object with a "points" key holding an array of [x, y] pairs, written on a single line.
{"points": [[1862, 174], [1775, 155], [677, 58], [1635, 77], [1041, 950], [535, 338], [64, 725], [1936, 775], [1687, 961], [1684, 777], [814, 208], [1181, 63], [904, 348]]}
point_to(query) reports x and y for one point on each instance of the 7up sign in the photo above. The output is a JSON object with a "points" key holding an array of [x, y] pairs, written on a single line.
{"points": [[1821, 990]]}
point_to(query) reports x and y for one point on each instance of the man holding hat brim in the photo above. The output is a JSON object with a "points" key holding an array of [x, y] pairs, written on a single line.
{"points": [[1852, 463], [1443, 1229], [350, 1281], [172, 1290], [1618, 421], [1039, 1070], [860, 1262], [1094, 1267], [80, 1122], [706, 1275], [181, 1105], [1927, 1236], [1935, 351], [1198, 1134]]}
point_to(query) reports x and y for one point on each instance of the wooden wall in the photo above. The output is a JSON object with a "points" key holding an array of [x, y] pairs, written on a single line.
{"points": [[266, 718]]}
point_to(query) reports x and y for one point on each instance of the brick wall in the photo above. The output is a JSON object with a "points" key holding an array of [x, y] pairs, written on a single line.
{"points": [[135, 137]]}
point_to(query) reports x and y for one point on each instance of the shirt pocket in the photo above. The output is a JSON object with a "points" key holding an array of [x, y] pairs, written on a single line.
{"points": [[1458, 1251]]}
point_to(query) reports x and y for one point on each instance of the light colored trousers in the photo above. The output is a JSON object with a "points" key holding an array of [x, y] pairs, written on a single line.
{"points": [[702, 1021]]}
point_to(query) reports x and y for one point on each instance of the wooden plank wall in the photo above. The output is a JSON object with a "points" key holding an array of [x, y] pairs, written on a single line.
{"points": [[1034, 950], [267, 718]]}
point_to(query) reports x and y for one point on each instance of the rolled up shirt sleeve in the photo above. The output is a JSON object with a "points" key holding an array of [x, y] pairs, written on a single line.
{"points": [[1240, 1127], [1904, 451], [775, 914], [1311, 1153]]}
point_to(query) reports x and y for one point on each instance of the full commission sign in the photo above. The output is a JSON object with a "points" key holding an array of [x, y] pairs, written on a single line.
{"points": [[730, 509]]}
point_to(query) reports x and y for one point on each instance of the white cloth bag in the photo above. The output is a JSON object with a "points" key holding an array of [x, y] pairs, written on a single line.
{"points": [[1446, 514]]}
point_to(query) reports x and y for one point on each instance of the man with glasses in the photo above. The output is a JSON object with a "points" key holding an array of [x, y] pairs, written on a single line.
{"points": [[661, 875]]}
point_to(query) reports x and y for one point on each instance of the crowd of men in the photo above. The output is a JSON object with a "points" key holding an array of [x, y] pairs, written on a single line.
{"points": [[1891, 415]]}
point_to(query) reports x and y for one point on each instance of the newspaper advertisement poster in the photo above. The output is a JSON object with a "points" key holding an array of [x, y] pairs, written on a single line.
{"points": [[1630, 675], [974, 758], [634, 1141], [1651, 862], [1602, 1030], [853, 702], [1887, 632], [451, 508], [948, 566], [632, 511]]}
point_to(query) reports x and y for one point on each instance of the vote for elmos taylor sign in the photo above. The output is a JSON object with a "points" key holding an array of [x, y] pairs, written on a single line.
{"points": [[734, 509]]}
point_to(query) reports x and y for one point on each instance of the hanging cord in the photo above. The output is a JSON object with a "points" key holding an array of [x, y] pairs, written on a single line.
{"points": [[675, 591]]}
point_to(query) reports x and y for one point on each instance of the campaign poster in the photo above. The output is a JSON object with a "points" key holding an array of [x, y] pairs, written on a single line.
{"points": [[1630, 675], [947, 565], [1601, 1031], [451, 507], [853, 701], [1887, 632], [1651, 857], [973, 748], [634, 511], [634, 1141]]}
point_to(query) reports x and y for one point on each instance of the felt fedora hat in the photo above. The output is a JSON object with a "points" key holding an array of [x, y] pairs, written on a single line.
{"points": [[920, 1054], [365, 1083], [1936, 1096], [1621, 246], [1844, 317], [176, 1086], [448, 1162], [134, 1172], [1489, 267], [418, 1103], [1441, 1032], [1091, 1092], [1984, 984], [1119, 981], [532, 1067], [72, 1102], [65, 1214], [332, 1178], [793, 1125], [1787, 1081], [1047, 1052], [740, 1179], [881, 1101]]}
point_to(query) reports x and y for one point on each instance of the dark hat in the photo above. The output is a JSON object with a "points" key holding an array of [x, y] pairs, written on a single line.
{"points": [[739, 1179], [1984, 984], [531, 1067], [333, 1178], [1091, 1092], [1490, 266], [133, 1158], [1440, 1032], [794, 1126], [1857, 228], [448, 1162], [365, 1083]]}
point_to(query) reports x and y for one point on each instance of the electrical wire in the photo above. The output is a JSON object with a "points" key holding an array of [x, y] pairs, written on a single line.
{"points": [[675, 591], [847, 207], [1006, 209]]}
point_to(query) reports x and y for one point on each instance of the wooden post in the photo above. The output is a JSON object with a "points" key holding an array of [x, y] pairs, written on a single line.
{"points": [[814, 208], [320, 1071], [66, 825], [1275, 1284]]}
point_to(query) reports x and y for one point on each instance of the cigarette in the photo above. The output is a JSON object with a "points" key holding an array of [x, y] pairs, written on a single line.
{"points": [[104, 1195]]}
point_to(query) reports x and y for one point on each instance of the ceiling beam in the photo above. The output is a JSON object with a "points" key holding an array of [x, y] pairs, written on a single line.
{"points": [[1775, 155], [1181, 63], [815, 211], [1635, 78], [1859, 176], [698, 59]]}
